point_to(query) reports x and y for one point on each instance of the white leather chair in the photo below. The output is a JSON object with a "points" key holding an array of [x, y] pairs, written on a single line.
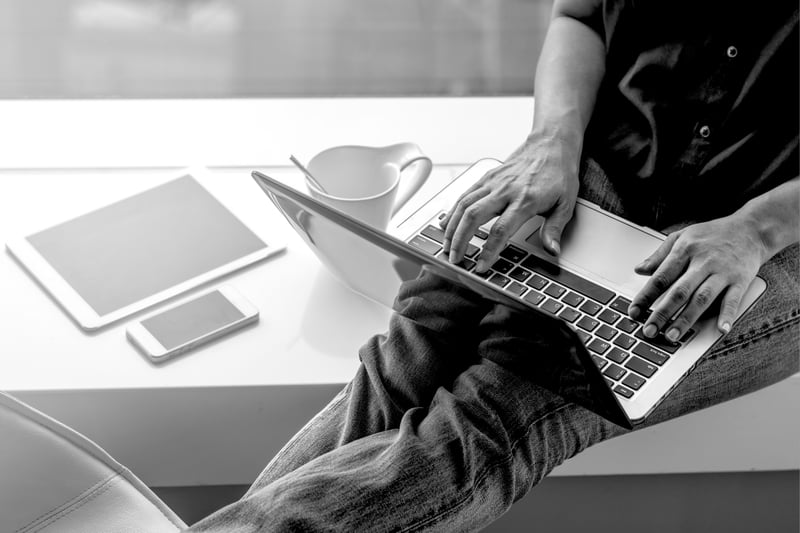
{"points": [[54, 479]]}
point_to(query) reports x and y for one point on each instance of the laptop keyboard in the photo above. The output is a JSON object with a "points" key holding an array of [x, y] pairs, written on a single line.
{"points": [[598, 315]]}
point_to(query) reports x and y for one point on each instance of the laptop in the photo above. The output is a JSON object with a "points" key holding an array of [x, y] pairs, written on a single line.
{"points": [[614, 370]]}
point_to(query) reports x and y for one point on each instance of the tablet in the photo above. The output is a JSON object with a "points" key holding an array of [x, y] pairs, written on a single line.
{"points": [[107, 264]]}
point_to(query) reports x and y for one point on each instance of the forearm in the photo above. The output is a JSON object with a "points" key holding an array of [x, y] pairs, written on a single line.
{"points": [[568, 76], [774, 217]]}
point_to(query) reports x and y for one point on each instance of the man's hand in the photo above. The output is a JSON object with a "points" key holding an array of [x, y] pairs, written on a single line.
{"points": [[539, 179], [694, 267]]}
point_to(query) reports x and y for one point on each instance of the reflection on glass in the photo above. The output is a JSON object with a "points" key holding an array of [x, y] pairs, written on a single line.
{"points": [[256, 48]]}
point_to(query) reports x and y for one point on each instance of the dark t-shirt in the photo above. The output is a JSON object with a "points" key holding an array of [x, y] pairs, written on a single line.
{"points": [[698, 110]]}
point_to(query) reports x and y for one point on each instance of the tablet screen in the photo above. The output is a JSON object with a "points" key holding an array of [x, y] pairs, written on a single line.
{"points": [[135, 248]]}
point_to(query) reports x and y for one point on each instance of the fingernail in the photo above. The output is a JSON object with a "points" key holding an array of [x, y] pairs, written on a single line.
{"points": [[452, 256], [673, 334], [650, 330], [446, 246], [481, 266], [641, 265], [634, 311], [726, 327], [556, 247]]}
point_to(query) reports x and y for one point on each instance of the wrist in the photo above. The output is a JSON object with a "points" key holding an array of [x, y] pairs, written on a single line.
{"points": [[768, 229], [560, 147]]}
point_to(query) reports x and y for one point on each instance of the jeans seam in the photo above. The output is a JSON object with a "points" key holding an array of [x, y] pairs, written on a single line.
{"points": [[792, 320], [485, 473]]}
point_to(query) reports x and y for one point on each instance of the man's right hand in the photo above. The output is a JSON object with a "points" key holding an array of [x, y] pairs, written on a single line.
{"points": [[540, 178]]}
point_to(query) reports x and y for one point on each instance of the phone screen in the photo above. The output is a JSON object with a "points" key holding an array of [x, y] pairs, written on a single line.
{"points": [[191, 320]]}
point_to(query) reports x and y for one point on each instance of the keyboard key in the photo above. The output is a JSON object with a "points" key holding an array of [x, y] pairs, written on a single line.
{"points": [[608, 316], [569, 314], [583, 336], [484, 275], [622, 391], [627, 325], [605, 332], [659, 341], [588, 323], [568, 279], [537, 282], [617, 355], [513, 254], [533, 297], [466, 264], [633, 381], [516, 288], [599, 361], [499, 280], [651, 354], [624, 341], [552, 306], [598, 346], [573, 299], [519, 274], [434, 233], [502, 266], [614, 372], [471, 250], [609, 383], [620, 304], [641, 366], [425, 245], [554, 290], [686, 336], [590, 307], [481, 234]]}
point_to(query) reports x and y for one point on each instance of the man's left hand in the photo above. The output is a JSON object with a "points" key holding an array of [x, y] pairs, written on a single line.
{"points": [[693, 267]]}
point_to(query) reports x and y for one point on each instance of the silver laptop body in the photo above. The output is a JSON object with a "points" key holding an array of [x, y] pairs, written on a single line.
{"points": [[599, 251]]}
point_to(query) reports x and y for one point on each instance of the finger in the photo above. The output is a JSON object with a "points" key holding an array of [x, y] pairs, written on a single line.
{"points": [[503, 228], [649, 265], [674, 298], [662, 279], [454, 217], [446, 220], [554, 225], [473, 216], [730, 307], [702, 298]]}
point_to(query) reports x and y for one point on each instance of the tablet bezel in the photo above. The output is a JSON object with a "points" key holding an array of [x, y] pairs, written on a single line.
{"points": [[82, 313]]}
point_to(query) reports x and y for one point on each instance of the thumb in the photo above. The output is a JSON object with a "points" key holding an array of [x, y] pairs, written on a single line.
{"points": [[553, 227]]}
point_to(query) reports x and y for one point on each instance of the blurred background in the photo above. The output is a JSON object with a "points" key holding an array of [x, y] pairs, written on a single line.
{"points": [[268, 48]]}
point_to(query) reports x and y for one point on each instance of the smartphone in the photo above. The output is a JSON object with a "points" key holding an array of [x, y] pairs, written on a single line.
{"points": [[191, 323]]}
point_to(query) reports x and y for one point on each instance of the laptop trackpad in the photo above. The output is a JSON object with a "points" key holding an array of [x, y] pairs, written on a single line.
{"points": [[603, 247]]}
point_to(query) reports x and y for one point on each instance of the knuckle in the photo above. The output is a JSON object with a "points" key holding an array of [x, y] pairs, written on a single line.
{"points": [[470, 213], [679, 294], [703, 297], [659, 316], [660, 282]]}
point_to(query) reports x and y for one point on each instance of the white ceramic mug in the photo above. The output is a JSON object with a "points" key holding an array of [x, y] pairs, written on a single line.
{"points": [[369, 183]]}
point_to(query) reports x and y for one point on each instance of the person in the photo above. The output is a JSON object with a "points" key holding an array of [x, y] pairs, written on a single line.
{"points": [[678, 115]]}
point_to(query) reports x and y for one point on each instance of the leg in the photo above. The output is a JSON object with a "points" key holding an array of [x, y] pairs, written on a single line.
{"points": [[431, 339], [486, 440]]}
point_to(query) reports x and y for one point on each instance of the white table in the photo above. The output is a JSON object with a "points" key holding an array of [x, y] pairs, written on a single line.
{"points": [[216, 416]]}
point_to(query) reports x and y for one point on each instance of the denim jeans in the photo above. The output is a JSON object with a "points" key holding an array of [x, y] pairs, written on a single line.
{"points": [[445, 423]]}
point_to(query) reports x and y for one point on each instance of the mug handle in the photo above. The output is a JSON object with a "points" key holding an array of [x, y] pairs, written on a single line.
{"points": [[409, 155]]}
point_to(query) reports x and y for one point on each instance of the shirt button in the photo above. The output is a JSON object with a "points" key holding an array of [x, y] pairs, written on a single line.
{"points": [[732, 52], [705, 131]]}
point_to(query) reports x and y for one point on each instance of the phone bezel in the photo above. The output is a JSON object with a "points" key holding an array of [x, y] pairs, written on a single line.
{"points": [[148, 344]]}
